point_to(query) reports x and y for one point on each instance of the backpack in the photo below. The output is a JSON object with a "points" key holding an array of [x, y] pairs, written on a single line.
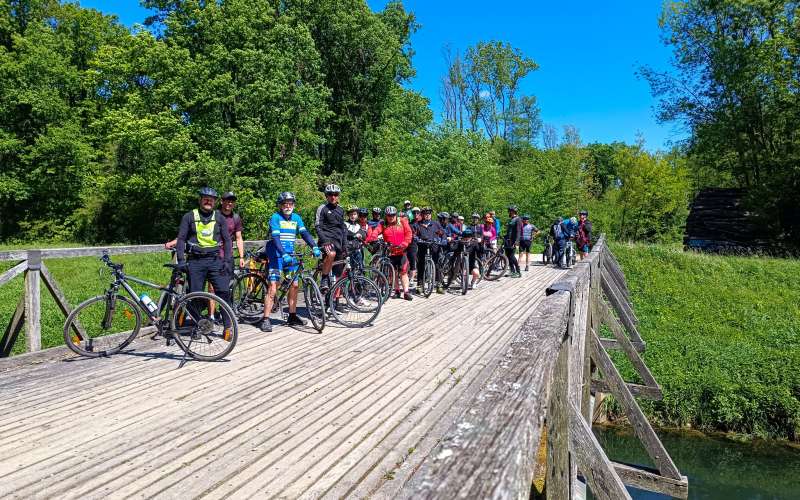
{"points": [[557, 233]]}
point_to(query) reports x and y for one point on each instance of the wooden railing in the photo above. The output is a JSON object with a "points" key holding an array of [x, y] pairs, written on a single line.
{"points": [[28, 311], [547, 379]]}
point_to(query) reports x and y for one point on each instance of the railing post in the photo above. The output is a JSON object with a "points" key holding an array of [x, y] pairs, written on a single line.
{"points": [[559, 472], [33, 326]]}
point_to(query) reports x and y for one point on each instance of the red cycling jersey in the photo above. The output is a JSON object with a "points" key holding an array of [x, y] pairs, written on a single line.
{"points": [[398, 235]]}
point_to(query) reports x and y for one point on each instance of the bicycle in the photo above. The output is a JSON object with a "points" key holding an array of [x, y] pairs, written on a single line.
{"points": [[459, 268], [252, 287], [354, 300], [495, 264], [370, 272], [184, 317], [380, 261], [548, 253], [569, 254], [428, 282]]}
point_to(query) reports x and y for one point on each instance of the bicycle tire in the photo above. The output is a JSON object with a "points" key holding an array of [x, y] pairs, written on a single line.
{"points": [[428, 277], [203, 324], [115, 341], [496, 267], [481, 269], [464, 274], [315, 305], [248, 297], [389, 271], [342, 301], [374, 274]]}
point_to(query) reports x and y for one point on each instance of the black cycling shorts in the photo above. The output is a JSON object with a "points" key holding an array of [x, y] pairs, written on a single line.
{"points": [[400, 262], [337, 247], [525, 245]]}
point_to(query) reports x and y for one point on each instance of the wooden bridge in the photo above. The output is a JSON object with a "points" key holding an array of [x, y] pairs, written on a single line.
{"points": [[441, 398]]}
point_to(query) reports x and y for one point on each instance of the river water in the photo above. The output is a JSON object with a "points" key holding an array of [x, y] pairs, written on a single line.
{"points": [[717, 468]]}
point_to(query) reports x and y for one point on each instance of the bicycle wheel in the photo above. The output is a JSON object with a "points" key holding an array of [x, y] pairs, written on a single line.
{"points": [[385, 266], [376, 275], [464, 274], [314, 303], [547, 254], [202, 336], [496, 267], [248, 297], [428, 278], [102, 326], [355, 301], [481, 269]]}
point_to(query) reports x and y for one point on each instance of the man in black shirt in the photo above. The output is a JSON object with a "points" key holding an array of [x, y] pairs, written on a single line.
{"points": [[331, 231], [511, 240], [201, 234]]}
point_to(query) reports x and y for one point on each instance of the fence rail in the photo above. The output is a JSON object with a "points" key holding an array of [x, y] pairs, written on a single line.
{"points": [[27, 314]]}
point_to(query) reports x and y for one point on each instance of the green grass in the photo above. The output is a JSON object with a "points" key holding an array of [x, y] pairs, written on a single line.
{"points": [[723, 338]]}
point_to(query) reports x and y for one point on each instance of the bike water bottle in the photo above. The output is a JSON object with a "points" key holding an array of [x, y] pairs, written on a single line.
{"points": [[148, 303]]}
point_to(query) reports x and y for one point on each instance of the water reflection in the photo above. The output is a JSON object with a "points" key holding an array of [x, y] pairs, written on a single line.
{"points": [[717, 468]]}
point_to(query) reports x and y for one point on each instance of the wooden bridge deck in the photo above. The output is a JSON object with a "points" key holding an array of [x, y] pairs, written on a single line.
{"points": [[349, 412]]}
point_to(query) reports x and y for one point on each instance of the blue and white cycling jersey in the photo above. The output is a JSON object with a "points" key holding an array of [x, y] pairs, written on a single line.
{"points": [[287, 230]]}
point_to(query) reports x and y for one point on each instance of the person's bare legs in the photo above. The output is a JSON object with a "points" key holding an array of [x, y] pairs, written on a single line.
{"points": [[292, 297]]}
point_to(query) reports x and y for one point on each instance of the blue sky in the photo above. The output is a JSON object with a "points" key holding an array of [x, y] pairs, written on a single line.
{"points": [[588, 53]]}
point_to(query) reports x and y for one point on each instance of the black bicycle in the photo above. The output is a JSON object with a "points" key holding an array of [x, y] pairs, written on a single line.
{"points": [[548, 254], [353, 299], [428, 281], [495, 263], [457, 268], [201, 323]]}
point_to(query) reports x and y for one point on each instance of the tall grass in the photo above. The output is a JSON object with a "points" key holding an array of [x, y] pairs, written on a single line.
{"points": [[723, 338]]}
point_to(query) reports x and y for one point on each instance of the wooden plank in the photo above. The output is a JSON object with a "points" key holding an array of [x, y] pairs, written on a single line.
{"points": [[61, 299], [559, 476], [13, 272], [613, 344], [33, 308], [628, 348], [609, 281], [644, 431], [592, 461], [620, 307], [13, 329], [504, 420], [611, 266], [60, 253], [648, 480], [640, 391]]}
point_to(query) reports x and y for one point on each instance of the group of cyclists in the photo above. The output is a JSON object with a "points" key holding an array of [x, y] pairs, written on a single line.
{"points": [[206, 237]]}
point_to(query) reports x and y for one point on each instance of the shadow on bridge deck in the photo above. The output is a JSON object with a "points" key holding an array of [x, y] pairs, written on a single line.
{"points": [[349, 412]]}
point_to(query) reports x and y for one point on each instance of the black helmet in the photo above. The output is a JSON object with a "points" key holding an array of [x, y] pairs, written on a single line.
{"points": [[476, 215], [444, 215], [332, 189], [526, 217], [390, 210], [351, 209], [513, 208], [207, 191], [229, 196], [584, 212], [285, 196], [427, 210], [467, 232], [363, 211], [376, 210]]}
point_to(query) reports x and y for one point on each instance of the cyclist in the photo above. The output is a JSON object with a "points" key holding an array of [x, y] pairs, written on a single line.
{"points": [[413, 249], [584, 236], [202, 238], [511, 240], [407, 210], [355, 238], [284, 227], [331, 232], [489, 232], [559, 232], [362, 219], [529, 232], [429, 233], [472, 246], [397, 233], [376, 217]]}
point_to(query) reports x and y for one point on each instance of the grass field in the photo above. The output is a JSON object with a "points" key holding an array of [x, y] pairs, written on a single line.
{"points": [[723, 338]]}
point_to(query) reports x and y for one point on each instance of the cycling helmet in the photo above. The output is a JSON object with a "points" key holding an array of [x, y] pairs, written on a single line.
{"points": [[351, 209], [229, 196], [467, 232], [427, 210], [476, 215], [513, 208], [390, 210], [376, 210], [285, 196], [363, 211], [207, 191], [415, 209], [332, 189], [444, 215], [583, 212], [526, 217], [454, 215]]}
